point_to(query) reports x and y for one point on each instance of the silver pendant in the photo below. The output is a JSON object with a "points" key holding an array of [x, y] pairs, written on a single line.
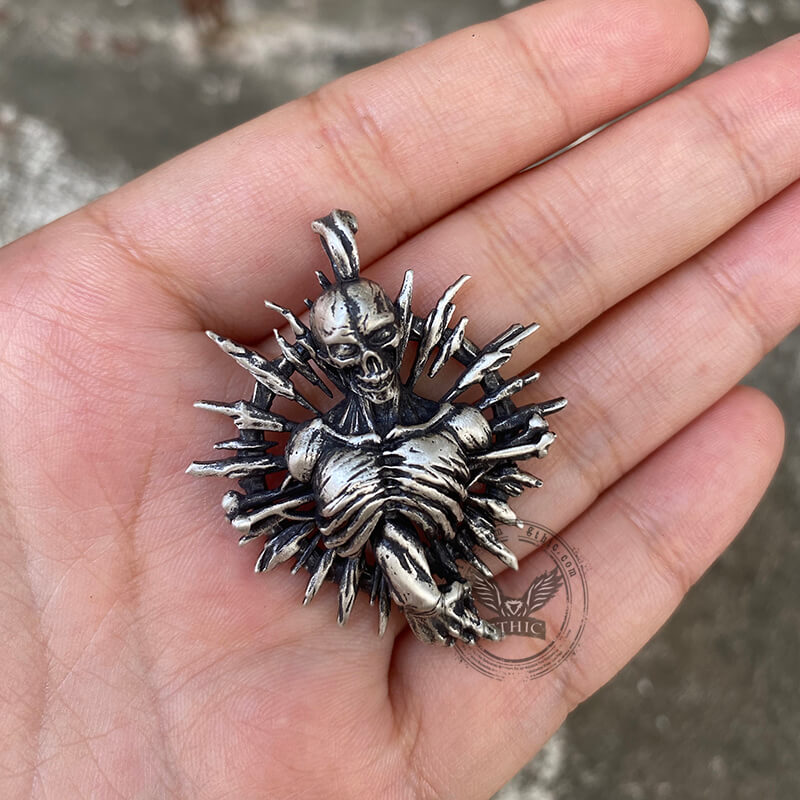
{"points": [[387, 491]]}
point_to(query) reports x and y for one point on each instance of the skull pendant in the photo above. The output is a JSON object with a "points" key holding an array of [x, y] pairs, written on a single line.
{"points": [[382, 489]]}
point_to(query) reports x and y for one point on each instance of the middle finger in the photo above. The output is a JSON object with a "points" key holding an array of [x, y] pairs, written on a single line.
{"points": [[564, 242]]}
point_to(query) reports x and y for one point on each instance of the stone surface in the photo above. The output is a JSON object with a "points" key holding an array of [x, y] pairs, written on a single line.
{"points": [[93, 92]]}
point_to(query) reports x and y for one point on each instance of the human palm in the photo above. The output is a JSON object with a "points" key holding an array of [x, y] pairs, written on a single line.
{"points": [[143, 658]]}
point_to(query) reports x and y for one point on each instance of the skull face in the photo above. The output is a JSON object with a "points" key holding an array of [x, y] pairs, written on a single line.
{"points": [[355, 327]]}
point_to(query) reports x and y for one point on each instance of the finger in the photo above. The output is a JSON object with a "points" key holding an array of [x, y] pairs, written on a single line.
{"points": [[401, 144], [646, 368], [562, 243], [644, 544]]}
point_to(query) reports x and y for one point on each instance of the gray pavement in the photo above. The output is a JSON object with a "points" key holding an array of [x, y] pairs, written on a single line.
{"points": [[93, 92]]}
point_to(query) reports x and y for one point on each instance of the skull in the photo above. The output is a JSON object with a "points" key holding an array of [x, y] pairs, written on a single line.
{"points": [[354, 325]]}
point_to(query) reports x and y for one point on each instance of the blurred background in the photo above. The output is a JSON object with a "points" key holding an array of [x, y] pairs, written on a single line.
{"points": [[94, 92]]}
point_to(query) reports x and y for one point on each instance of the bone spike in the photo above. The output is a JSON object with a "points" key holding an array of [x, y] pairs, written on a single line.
{"points": [[242, 444], [384, 607], [435, 326], [451, 346], [262, 530], [529, 379], [489, 542], [306, 554], [504, 555], [257, 499], [283, 547], [552, 406], [298, 329], [509, 333], [285, 510], [534, 427], [490, 359], [526, 417], [246, 416], [236, 467], [375, 585], [497, 509], [319, 575], [528, 480], [265, 372], [405, 316], [506, 390], [262, 564], [470, 557], [510, 479], [523, 451], [248, 537], [348, 588], [299, 364]]}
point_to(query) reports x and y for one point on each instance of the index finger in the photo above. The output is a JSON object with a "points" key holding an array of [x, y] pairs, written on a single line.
{"points": [[401, 144]]}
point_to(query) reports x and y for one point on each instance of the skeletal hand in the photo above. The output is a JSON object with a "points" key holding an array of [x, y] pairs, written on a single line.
{"points": [[454, 619]]}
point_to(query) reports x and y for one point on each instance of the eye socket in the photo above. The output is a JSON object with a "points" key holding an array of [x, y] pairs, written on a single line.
{"points": [[343, 351], [382, 336]]}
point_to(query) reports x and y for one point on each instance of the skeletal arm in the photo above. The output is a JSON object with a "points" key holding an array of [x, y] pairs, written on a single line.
{"points": [[524, 435]]}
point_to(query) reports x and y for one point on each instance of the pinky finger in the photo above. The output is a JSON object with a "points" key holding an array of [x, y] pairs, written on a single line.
{"points": [[644, 543]]}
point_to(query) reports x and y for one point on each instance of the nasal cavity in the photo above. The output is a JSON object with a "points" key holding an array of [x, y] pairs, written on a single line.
{"points": [[372, 364]]}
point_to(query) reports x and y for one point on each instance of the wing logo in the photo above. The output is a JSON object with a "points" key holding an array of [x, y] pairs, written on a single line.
{"points": [[514, 616]]}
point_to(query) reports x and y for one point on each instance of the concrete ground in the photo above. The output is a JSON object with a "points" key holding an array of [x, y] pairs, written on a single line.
{"points": [[93, 92]]}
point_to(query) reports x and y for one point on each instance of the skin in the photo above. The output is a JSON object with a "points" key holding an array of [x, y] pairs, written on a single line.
{"points": [[142, 658]]}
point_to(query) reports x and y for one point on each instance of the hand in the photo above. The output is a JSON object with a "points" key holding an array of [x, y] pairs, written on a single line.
{"points": [[143, 658]]}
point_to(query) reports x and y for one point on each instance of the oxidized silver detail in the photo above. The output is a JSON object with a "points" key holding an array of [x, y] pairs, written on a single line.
{"points": [[387, 491]]}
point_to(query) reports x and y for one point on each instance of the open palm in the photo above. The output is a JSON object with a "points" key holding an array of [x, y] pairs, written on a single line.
{"points": [[143, 658]]}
